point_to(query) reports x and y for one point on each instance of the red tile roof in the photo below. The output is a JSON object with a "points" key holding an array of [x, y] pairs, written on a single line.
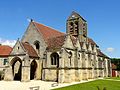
{"points": [[31, 51], [5, 50], [47, 32], [100, 53], [91, 41], [53, 38], [55, 43]]}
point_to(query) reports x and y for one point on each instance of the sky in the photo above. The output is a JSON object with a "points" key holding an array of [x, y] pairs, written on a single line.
{"points": [[102, 16]]}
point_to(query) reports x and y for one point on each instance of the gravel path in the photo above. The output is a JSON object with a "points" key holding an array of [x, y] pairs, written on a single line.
{"points": [[33, 85]]}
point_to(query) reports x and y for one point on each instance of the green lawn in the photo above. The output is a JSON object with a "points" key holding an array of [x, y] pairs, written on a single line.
{"points": [[108, 84], [115, 78]]}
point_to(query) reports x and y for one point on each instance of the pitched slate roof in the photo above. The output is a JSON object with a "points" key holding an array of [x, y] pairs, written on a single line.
{"points": [[5, 50], [47, 32], [30, 50]]}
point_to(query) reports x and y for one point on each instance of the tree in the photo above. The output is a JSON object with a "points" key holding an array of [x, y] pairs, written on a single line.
{"points": [[116, 61]]}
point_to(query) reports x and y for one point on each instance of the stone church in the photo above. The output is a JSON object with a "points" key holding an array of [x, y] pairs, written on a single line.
{"points": [[47, 54]]}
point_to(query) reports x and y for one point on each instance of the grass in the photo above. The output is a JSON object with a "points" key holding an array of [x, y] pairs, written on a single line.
{"points": [[94, 85], [115, 78]]}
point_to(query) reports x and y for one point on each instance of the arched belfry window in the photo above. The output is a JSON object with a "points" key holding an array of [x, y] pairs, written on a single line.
{"points": [[37, 46], [76, 27], [71, 27], [54, 59]]}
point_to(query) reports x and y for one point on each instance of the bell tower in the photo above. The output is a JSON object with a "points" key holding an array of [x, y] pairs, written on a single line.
{"points": [[77, 27]]}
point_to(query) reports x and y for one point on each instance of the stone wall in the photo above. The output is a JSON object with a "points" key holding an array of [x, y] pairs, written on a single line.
{"points": [[2, 66], [31, 35], [51, 75]]}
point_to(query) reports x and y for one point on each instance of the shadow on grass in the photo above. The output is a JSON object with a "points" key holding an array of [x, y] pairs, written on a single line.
{"points": [[101, 89]]}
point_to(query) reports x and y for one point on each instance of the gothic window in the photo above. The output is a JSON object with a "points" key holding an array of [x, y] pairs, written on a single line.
{"points": [[78, 55], [54, 59], [18, 48], [70, 56], [37, 46]]}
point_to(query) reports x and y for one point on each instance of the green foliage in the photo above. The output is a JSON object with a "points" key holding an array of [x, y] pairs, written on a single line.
{"points": [[116, 61], [114, 78], [94, 85]]}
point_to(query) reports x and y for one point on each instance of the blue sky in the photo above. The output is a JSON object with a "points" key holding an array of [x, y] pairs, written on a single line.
{"points": [[103, 18]]}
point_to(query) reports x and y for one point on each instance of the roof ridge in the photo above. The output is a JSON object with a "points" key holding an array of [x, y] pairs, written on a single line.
{"points": [[5, 50], [5, 45]]}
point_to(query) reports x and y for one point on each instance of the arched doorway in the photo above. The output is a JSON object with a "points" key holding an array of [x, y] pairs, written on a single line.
{"points": [[17, 68], [33, 67]]}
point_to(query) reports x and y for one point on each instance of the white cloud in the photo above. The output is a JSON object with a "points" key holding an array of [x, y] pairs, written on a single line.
{"points": [[110, 49], [7, 42]]}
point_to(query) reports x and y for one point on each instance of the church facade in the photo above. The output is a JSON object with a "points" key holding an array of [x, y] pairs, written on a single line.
{"points": [[44, 53]]}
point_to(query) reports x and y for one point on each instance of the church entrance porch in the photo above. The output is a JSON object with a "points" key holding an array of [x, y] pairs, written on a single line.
{"points": [[17, 68], [33, 67]]}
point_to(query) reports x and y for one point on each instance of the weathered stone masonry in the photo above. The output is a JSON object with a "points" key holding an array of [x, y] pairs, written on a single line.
{"points": [[47, 54]]}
